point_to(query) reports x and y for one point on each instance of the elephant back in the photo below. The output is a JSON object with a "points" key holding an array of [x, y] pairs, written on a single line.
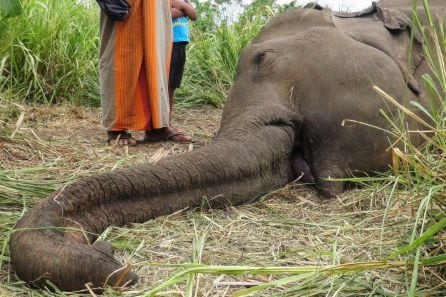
{"points": [[293, 22]]}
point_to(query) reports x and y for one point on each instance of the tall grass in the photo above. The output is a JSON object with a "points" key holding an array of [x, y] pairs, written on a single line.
{"points": [[422, 170], [48, 54]]}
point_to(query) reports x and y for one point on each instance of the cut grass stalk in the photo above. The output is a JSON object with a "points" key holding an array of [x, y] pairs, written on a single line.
{"points": [[193, 279], [303, 272]]}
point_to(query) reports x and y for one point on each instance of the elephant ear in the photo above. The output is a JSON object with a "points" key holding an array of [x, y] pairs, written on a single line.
{"points": [[399, 23], [395, 21]]}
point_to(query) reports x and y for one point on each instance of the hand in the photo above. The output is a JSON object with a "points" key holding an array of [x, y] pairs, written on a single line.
{"points": [[178, 4]]}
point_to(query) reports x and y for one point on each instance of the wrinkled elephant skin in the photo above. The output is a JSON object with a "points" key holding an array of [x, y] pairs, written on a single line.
{"points": [[306, 72]]}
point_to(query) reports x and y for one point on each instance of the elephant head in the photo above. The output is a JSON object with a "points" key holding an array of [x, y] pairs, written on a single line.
{"points": [[306, 72]]}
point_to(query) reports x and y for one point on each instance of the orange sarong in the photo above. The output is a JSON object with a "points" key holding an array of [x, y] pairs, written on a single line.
{"points": [[134, 67]]}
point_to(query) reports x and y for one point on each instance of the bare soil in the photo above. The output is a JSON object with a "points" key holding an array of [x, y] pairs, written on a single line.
{"points": [[66, 128]]}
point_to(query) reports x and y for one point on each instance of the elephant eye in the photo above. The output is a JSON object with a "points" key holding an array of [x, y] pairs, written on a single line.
{"points": [[259, 57]]}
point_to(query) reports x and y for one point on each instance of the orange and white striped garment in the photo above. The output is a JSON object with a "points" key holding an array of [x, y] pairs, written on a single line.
{"points": [[134, 67]]}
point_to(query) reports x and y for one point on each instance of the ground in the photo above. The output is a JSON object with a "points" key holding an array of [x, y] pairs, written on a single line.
{"points": [[291, 227]]}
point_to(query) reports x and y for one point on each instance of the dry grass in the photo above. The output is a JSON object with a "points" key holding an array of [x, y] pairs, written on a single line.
{"points": [[291, 227]]}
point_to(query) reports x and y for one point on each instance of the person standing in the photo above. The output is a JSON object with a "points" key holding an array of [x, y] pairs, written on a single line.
{"points": [[182, 11], [133, 68]]}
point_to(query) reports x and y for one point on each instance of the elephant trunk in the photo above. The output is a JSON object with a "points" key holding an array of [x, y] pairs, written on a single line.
{"points": [[52, 242]]}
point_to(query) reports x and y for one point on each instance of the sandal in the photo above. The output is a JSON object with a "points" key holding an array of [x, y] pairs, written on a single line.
{"points": [[120, 138], [166, 134]]}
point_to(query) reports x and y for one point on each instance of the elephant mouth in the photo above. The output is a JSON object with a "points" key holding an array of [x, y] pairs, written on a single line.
{"points": [[299, 165], [298, 162]]}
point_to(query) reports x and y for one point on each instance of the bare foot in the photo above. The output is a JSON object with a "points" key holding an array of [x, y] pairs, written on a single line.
{"points": [[166, 134], [121, 138]]}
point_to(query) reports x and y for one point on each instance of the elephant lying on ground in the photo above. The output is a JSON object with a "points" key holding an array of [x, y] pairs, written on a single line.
{"points": [[306, 72]]}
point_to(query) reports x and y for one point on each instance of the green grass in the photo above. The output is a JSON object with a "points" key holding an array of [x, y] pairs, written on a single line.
{"points": [[49, 53], [423, 170]]}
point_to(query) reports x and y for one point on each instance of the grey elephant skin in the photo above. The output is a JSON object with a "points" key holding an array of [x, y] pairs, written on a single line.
{"points": [[306, 72]]}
